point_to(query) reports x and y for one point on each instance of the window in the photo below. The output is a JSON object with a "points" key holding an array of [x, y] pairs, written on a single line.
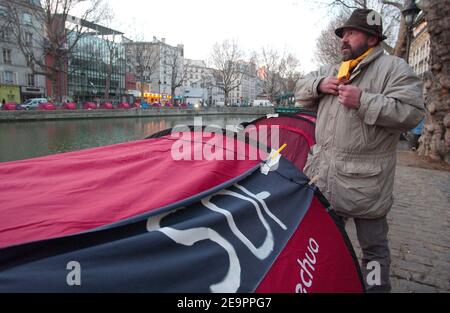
{"points": [[29, 59], [7, 56], [26, 18], [31, 80], [5, 34], [33, 2], [29, 39], [2, 11], [8, 77]]}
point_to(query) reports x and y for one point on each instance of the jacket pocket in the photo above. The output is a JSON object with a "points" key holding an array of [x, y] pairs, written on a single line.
{"points": [[315, 167], [357, 186]]}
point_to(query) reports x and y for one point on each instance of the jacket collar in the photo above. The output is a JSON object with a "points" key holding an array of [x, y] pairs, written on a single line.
{"points": [[376, 53]]}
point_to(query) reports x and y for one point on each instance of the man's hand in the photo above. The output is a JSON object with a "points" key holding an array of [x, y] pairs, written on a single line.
{"points": [[350, 96], [330, 85]]}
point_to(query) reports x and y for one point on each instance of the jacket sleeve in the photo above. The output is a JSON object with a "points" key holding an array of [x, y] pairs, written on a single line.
{"points": [[306, 93], [400, 107]]}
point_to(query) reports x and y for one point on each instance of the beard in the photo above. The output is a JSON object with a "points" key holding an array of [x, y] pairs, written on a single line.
{"points": [[353, 52]]}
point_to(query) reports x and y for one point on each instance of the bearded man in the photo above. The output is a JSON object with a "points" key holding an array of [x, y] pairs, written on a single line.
{"points": [[363, 105]]}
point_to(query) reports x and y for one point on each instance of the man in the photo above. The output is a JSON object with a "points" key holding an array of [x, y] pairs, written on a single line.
{"points": [[363, 105]]}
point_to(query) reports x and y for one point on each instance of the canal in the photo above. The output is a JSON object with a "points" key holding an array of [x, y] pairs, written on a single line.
{"points": [[24, 140]]}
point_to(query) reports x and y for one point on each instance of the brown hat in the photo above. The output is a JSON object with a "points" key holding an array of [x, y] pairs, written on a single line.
{"points": [[368, 21]]}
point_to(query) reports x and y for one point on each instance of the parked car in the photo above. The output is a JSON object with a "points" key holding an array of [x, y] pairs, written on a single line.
{"points": [[262, 103], [32, 104]]}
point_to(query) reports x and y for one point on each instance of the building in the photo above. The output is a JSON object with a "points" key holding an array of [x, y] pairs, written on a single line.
{"points": [[419, 54], [17, 81], [153, 63], [202, 84], [97, 60], [246, 93]]}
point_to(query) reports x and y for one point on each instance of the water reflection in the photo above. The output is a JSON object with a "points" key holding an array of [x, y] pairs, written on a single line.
{"points": [[23, 140]]}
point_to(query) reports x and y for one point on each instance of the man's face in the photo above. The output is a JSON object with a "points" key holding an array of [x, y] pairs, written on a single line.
{"points": [[354, 43]]}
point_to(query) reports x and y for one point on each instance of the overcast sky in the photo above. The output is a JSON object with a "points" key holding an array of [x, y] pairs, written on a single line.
{"points": [[291, 25]]}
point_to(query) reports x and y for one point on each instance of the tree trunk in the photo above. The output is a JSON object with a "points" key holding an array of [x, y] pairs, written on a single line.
{"points": [[107, 87], [172, 91], [142, 91], [108, 83], [226, 97], [435, 140], [54, 84], [400, 46]]}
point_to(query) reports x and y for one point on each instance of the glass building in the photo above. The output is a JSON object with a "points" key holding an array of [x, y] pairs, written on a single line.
{"points": [[98, 54]]}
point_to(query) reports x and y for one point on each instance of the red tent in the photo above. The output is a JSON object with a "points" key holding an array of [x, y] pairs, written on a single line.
{"points": [[90, 106], [10, 106], [124, 105], [107, 106], [162, 210], [47, 106], [69, 106]]}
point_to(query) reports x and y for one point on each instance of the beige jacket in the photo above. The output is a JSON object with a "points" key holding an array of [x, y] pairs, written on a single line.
{"points": [[355, 154]]}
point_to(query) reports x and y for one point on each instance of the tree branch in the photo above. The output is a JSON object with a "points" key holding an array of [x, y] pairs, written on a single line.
{"points": [[395, 4]]}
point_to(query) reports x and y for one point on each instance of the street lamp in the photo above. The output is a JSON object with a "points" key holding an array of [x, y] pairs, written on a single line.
{"points": [[409, 12]]}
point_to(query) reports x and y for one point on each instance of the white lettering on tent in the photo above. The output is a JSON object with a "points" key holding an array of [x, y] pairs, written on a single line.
{"points": [[261, 197], [267, 247], [188, 237], [307, 267]]}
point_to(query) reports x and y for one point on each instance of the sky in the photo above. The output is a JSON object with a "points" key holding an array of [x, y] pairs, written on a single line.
{"points": [[285, 25]]}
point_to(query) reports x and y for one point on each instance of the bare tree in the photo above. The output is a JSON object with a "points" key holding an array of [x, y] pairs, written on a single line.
{"points": [[225, 58], [112, 44], [290, 73], [143, 58], [328, 45], [51, 40], [435, 140], [178, 71], [278, 72], [112, 40], [270, 64]]}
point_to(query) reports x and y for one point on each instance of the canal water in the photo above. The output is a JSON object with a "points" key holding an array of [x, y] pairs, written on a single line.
{"points": [[24, 140]]}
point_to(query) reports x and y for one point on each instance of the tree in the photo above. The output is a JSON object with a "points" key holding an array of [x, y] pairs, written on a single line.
{"points": [[225, 58], [290, 74], [143, 59], [51, 40], [435, 140], [112, 40], [178, 71], [270, 64], [328, 45], [278, 72]]}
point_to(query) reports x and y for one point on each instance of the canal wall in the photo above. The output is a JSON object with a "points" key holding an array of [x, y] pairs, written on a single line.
{"points": [[36, 115]]}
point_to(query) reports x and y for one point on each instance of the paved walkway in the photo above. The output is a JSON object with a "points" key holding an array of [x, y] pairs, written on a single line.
{"points": [[419, 232]]}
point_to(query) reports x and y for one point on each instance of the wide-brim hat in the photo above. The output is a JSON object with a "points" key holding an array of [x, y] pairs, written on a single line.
{"points": [[366, 20]]}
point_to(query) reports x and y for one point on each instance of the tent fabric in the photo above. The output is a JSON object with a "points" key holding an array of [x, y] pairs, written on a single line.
{"points": [[68, 193], [297, 131], [136, 220]]}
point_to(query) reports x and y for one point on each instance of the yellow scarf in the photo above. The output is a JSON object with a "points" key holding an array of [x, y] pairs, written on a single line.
{"points": [[347, 67]]}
